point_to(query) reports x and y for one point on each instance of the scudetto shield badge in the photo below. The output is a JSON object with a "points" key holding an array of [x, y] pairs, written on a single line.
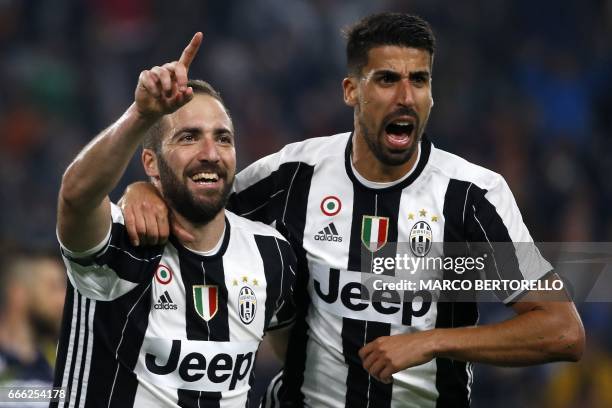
{"points": [[420, 238], [206, 300], [374, 232], [247, 304]]}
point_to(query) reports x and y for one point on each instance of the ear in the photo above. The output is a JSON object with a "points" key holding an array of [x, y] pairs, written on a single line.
{"points": [[149, 162], [349, 86]]}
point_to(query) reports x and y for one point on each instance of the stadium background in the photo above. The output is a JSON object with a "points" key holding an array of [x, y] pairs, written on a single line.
{"points": [[522, 87]]}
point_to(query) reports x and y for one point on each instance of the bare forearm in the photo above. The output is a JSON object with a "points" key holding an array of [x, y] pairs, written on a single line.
{"points": [[533, 337], [84, 207], [278, 339], [545, 329], [100, 165]]}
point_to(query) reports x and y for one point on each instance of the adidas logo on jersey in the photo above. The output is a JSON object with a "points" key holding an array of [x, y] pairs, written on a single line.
{"points": [[329, 233], [165, 302]]}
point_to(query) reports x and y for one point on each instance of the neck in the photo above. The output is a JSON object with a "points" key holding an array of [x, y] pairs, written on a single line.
{"points": [[205, 236], [368, 165]]}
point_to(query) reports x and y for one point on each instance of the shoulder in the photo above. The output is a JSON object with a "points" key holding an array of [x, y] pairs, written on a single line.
{"points": [[246, 226], [457, 168], [313, 150]]}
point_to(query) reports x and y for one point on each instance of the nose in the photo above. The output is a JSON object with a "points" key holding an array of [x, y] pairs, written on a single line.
{"points": [[207, 150], [405, 93]]}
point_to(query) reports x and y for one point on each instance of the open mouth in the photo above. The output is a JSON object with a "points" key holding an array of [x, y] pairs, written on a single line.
{"points": [[399, 132]]}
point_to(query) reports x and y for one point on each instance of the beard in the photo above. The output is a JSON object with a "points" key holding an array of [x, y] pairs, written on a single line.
{"points": [[374, 138], [195, 210]]}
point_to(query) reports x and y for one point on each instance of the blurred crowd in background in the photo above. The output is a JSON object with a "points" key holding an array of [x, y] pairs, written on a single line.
{"points": [[522, 87]]}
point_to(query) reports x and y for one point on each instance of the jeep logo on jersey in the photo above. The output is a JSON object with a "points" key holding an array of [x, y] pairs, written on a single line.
{"points": [[331, 205], [206, 300], [420, 238], [374, 232], [203, 370], [355, 300], [163, 274], [247, 304]]}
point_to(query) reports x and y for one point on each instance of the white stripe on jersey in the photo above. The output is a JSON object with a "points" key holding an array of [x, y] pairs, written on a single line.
{"points": [[71, 350], [76, 378], [89, 350]]}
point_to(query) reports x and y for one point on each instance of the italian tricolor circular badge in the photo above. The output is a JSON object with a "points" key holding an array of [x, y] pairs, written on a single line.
{"points": [[163, 274], [331, 205]]}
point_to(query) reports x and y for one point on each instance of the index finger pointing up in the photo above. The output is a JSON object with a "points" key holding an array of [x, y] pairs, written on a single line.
{"points": [[191, 50]]}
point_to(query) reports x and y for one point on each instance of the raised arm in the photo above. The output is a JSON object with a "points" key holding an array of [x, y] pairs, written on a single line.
{"points": [[83, 203]]}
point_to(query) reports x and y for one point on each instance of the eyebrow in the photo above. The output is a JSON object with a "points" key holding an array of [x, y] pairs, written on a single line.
{"points": [[197, 130], [185, 130], [223, 129], [411, 74]]}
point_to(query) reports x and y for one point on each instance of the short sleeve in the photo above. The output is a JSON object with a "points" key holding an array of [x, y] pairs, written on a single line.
{"points": [[114, 266], [494, 226], [285, 309]]}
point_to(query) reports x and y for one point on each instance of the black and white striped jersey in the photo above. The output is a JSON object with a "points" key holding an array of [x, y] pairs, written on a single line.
{"points": [[168, 327], [330, 214]]}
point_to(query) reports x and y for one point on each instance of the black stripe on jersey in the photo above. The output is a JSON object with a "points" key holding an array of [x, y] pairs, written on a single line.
{"points": [[205, 270], [129, 335], [267, 199], [270, 397], [485, 227], [199, 270], [198, 399], [451, 376], [249, 401], [277, 258], [294, 219], [62, 348], [128, 262], [357, 380], [425, 151], [123, 393], [362, 389]]}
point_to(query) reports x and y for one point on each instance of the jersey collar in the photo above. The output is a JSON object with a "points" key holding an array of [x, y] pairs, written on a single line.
{"points": [[420, 165], [219, 253]]}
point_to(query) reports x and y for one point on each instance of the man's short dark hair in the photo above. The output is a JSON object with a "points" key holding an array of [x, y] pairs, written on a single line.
{"points": [[154, 135], [405, 30]]}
